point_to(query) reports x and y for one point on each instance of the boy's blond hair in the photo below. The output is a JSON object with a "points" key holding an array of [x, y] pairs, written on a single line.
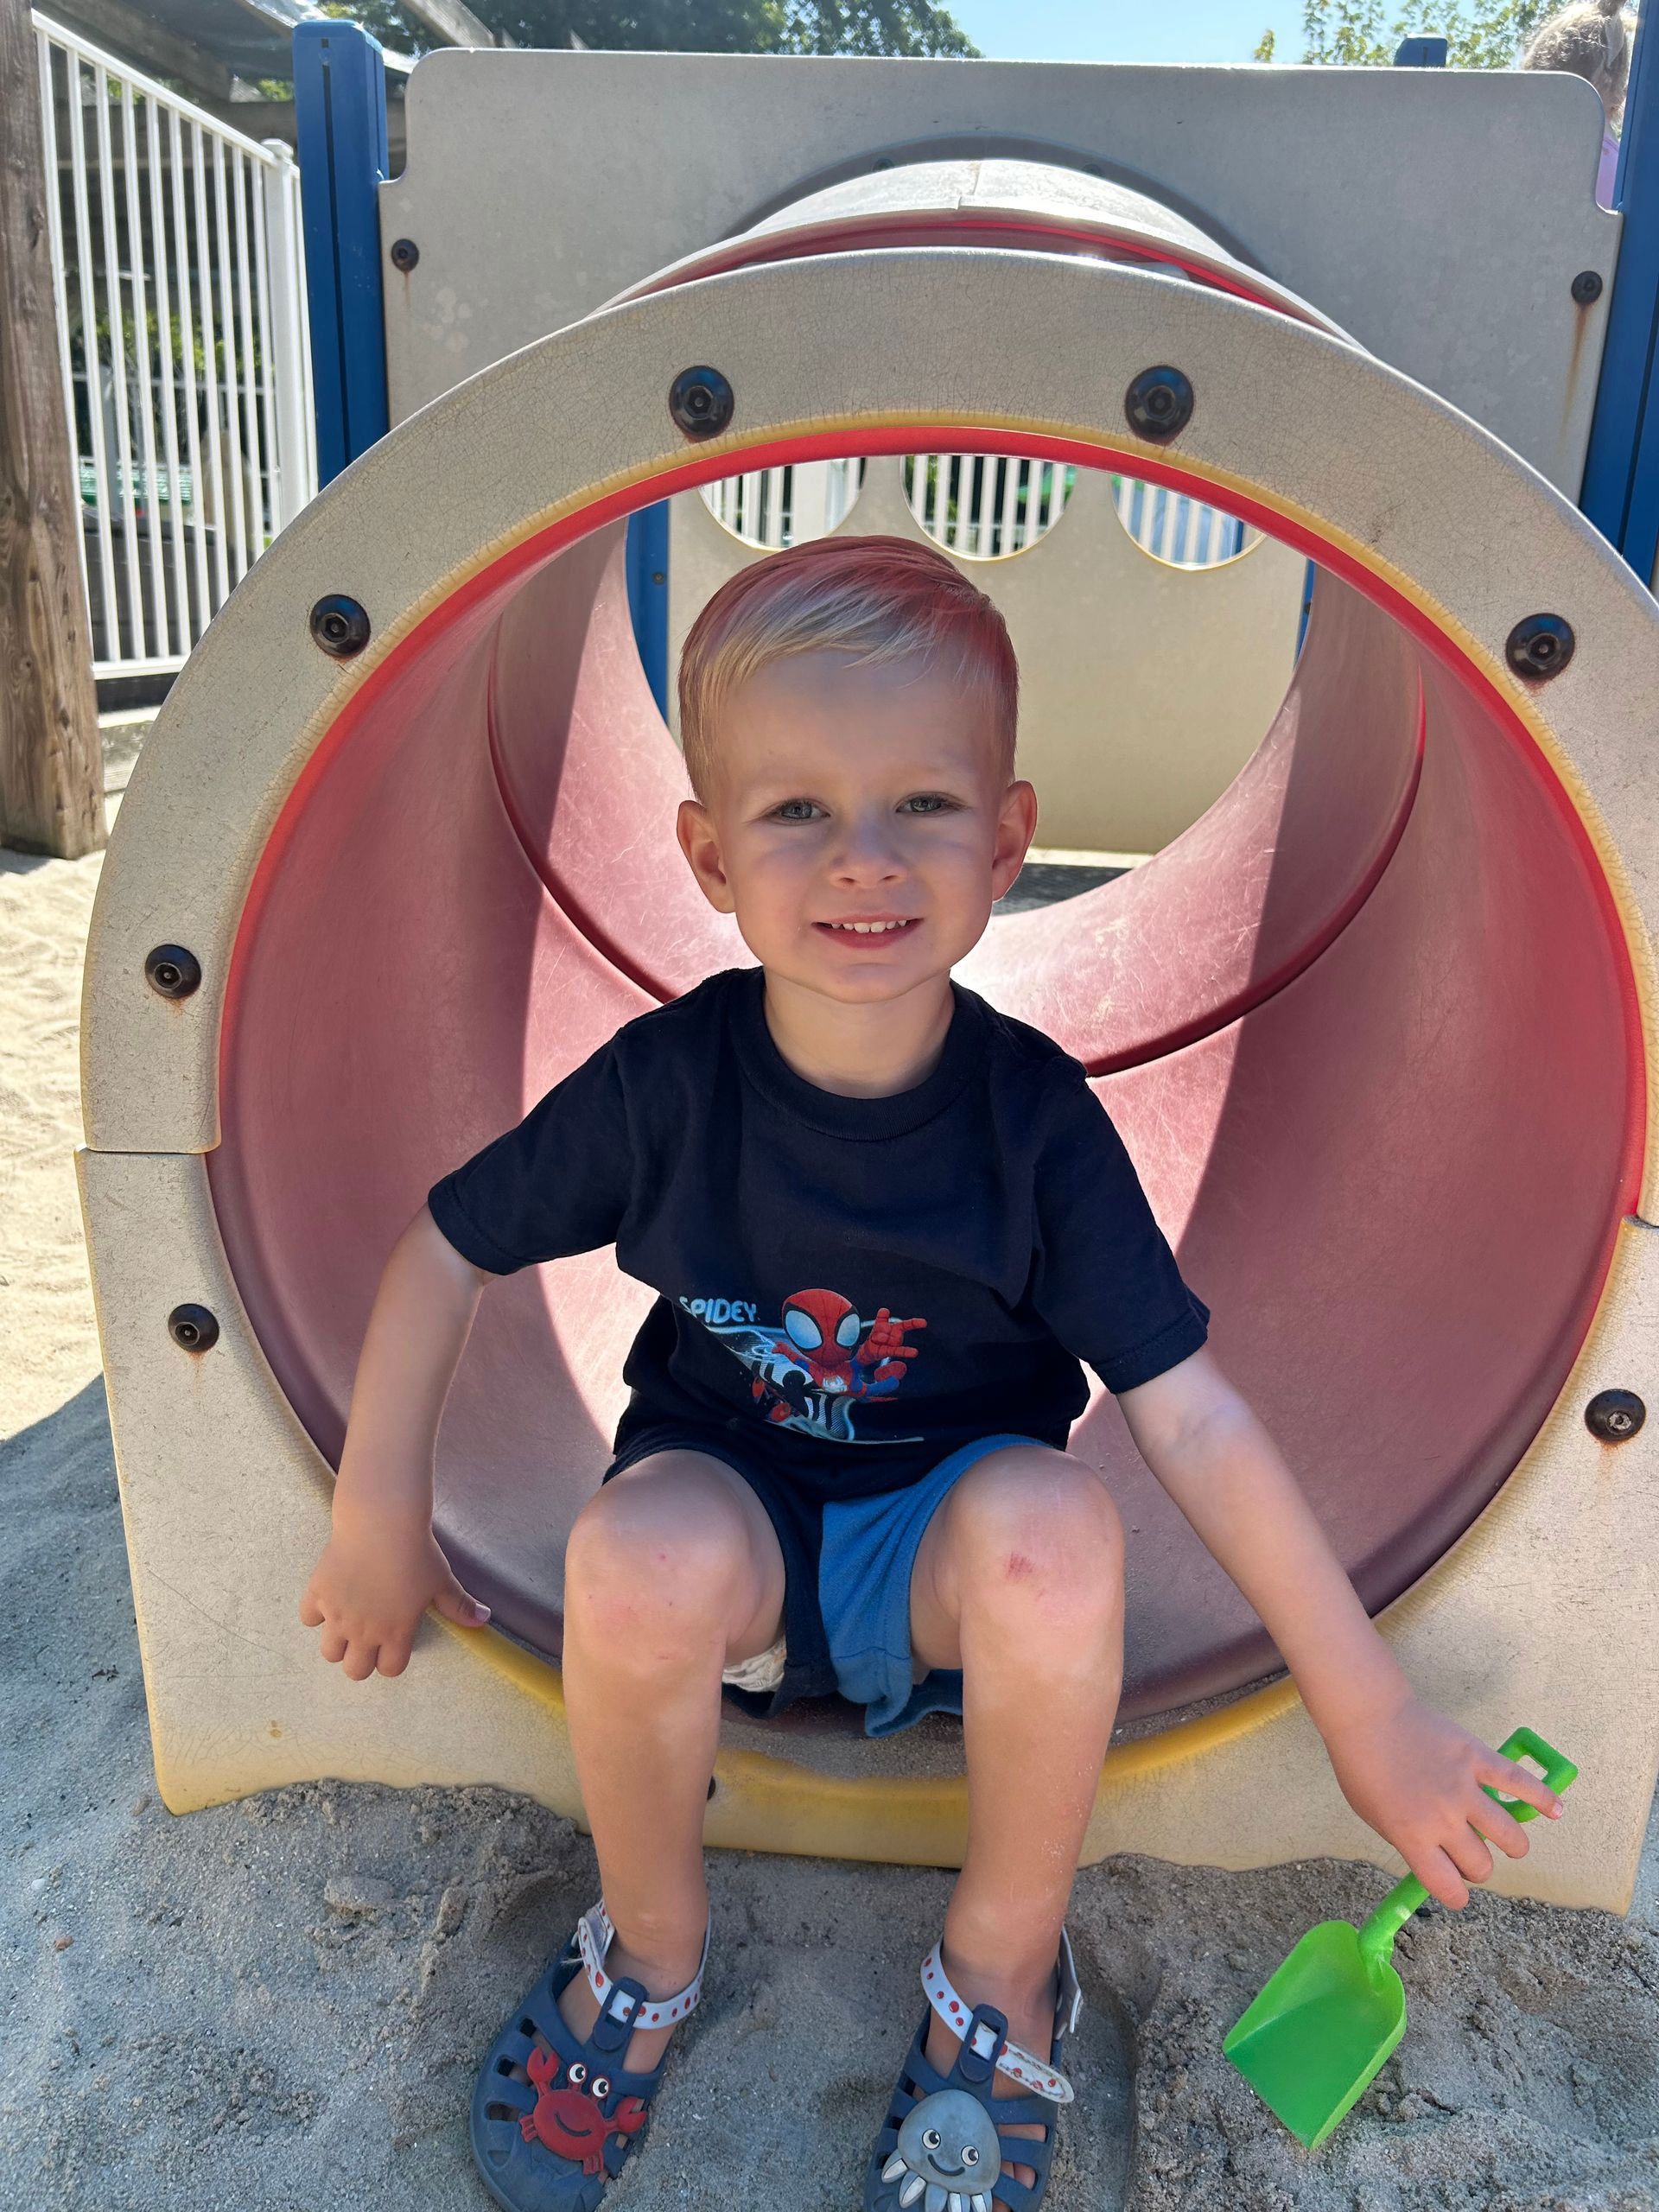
{"points": [[881, 599]]}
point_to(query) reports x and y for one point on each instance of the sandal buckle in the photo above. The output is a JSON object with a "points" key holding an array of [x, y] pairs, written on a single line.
{"points": [[979, 2056]]}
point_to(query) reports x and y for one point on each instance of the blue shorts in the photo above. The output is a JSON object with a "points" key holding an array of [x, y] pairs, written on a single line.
{"points": [[846, 1569]]}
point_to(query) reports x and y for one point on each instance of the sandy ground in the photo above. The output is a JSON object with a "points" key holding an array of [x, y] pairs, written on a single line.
{"points": [[280, 2004]]}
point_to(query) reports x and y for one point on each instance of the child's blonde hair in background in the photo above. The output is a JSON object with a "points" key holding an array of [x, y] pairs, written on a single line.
{"points": [[880, 599], [1592, 41]]}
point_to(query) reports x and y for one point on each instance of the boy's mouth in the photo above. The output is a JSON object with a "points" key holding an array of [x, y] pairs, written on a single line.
{"points": [[875, 928]]}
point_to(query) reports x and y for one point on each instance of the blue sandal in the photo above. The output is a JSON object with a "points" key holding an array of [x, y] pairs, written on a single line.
{"points": [[552, 2143], [946, 2140]]}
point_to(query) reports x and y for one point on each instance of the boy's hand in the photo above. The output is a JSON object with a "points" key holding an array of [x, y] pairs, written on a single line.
{"points": [[1416, 1776], [371, 1587]]}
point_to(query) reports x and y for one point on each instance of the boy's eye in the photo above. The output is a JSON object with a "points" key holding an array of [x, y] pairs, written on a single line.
{"points": [[928, 803], [796, 809]]}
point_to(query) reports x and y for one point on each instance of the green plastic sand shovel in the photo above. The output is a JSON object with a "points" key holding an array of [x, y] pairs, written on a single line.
{"points": [[1315, 2037]]}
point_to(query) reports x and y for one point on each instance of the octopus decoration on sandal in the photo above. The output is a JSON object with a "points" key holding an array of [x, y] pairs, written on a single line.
{"points": [[948, 2157], [572, 2120]]}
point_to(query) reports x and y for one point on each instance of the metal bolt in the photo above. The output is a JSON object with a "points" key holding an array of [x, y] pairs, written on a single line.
{"points": [[404, 254], [1615, 1415], [193, 1328], [340, 626], [1540, 647], [702, 402], [1158, 404], [1586, 287], [172, 972]]}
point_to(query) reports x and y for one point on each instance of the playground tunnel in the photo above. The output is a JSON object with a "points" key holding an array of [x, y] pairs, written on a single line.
{"points": [[1365, 1026]]}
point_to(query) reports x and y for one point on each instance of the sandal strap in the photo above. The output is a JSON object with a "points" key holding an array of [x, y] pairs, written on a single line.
{"points": [[593, 1936], [1020, 2065]]}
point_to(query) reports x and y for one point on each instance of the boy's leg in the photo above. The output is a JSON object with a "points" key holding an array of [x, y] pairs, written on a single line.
{"points": [[1019, 1581], [673, 1574]]}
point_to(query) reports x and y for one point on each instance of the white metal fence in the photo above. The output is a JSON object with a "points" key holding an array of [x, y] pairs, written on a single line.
{"points": [[183, 344], [1174, 528], [983, 506], [785, 506]]}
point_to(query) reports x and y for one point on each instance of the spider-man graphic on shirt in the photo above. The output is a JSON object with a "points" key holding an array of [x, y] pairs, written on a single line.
{"points": [[809, 1374]]}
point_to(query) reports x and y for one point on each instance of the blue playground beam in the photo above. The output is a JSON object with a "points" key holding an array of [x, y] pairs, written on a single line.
{"points": [[339, 105], [648, 595], [340, 114], [1620, 493]]}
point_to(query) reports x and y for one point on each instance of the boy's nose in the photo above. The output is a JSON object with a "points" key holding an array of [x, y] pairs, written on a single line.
{"points": [[866, 853]]}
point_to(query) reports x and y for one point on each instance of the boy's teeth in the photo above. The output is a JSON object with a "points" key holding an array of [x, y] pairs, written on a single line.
{"points": [[866, 929]]}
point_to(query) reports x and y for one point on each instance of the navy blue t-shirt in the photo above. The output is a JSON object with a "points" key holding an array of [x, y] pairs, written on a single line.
{"points": [[850, 1287]]}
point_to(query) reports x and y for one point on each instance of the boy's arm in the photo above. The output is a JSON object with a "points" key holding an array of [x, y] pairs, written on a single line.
{"points": [[1413, 1775], [560, 1182], [383, 1566], [418, 1327]]}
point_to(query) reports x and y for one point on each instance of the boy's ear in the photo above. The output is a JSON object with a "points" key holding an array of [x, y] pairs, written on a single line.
{"points": [[699, 841], [1016, 825]]}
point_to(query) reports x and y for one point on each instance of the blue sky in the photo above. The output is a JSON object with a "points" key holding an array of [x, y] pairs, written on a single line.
{"points": [[1128, 30]]}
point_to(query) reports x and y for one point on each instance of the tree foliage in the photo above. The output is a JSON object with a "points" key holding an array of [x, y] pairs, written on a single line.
{"points": [[901, 27], [382, 19], [1483, 35], [893, 27]]}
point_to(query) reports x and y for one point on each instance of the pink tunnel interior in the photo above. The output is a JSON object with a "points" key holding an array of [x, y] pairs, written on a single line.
{"points": [[1363, 1027]]}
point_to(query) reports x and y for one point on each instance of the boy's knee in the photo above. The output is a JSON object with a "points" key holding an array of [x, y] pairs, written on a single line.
{"points": [[638, 1558], [1037, 1538]]}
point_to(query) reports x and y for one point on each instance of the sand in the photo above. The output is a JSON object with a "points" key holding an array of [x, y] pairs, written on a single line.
{"points": [[279, 2005]]}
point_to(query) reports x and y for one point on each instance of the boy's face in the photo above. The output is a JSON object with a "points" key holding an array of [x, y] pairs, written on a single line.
{"points": [[845, 794]]}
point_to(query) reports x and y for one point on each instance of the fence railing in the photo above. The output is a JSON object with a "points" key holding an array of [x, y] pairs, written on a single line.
{"points": [[179, 276], [777, 507], [983, 506], [1182, 531]]}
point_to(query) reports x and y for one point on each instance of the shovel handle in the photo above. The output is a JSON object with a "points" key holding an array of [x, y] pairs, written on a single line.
{"points": [[1559, 1771], [1377, 1934]]}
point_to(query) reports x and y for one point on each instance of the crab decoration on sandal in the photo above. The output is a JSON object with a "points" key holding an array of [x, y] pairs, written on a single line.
{"points": [[948, 2159], [572, 2120]]}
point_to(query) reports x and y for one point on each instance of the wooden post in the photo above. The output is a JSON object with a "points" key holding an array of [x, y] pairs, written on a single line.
{"points": [[51, 762]]}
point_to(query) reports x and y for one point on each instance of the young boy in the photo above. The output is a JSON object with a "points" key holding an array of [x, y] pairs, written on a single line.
{"points": [[805, 1497]]}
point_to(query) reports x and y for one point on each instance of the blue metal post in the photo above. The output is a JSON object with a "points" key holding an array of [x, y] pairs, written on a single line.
{"points": [[1621, 470], [648, 595], [339, 109], [1310, 577]]}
